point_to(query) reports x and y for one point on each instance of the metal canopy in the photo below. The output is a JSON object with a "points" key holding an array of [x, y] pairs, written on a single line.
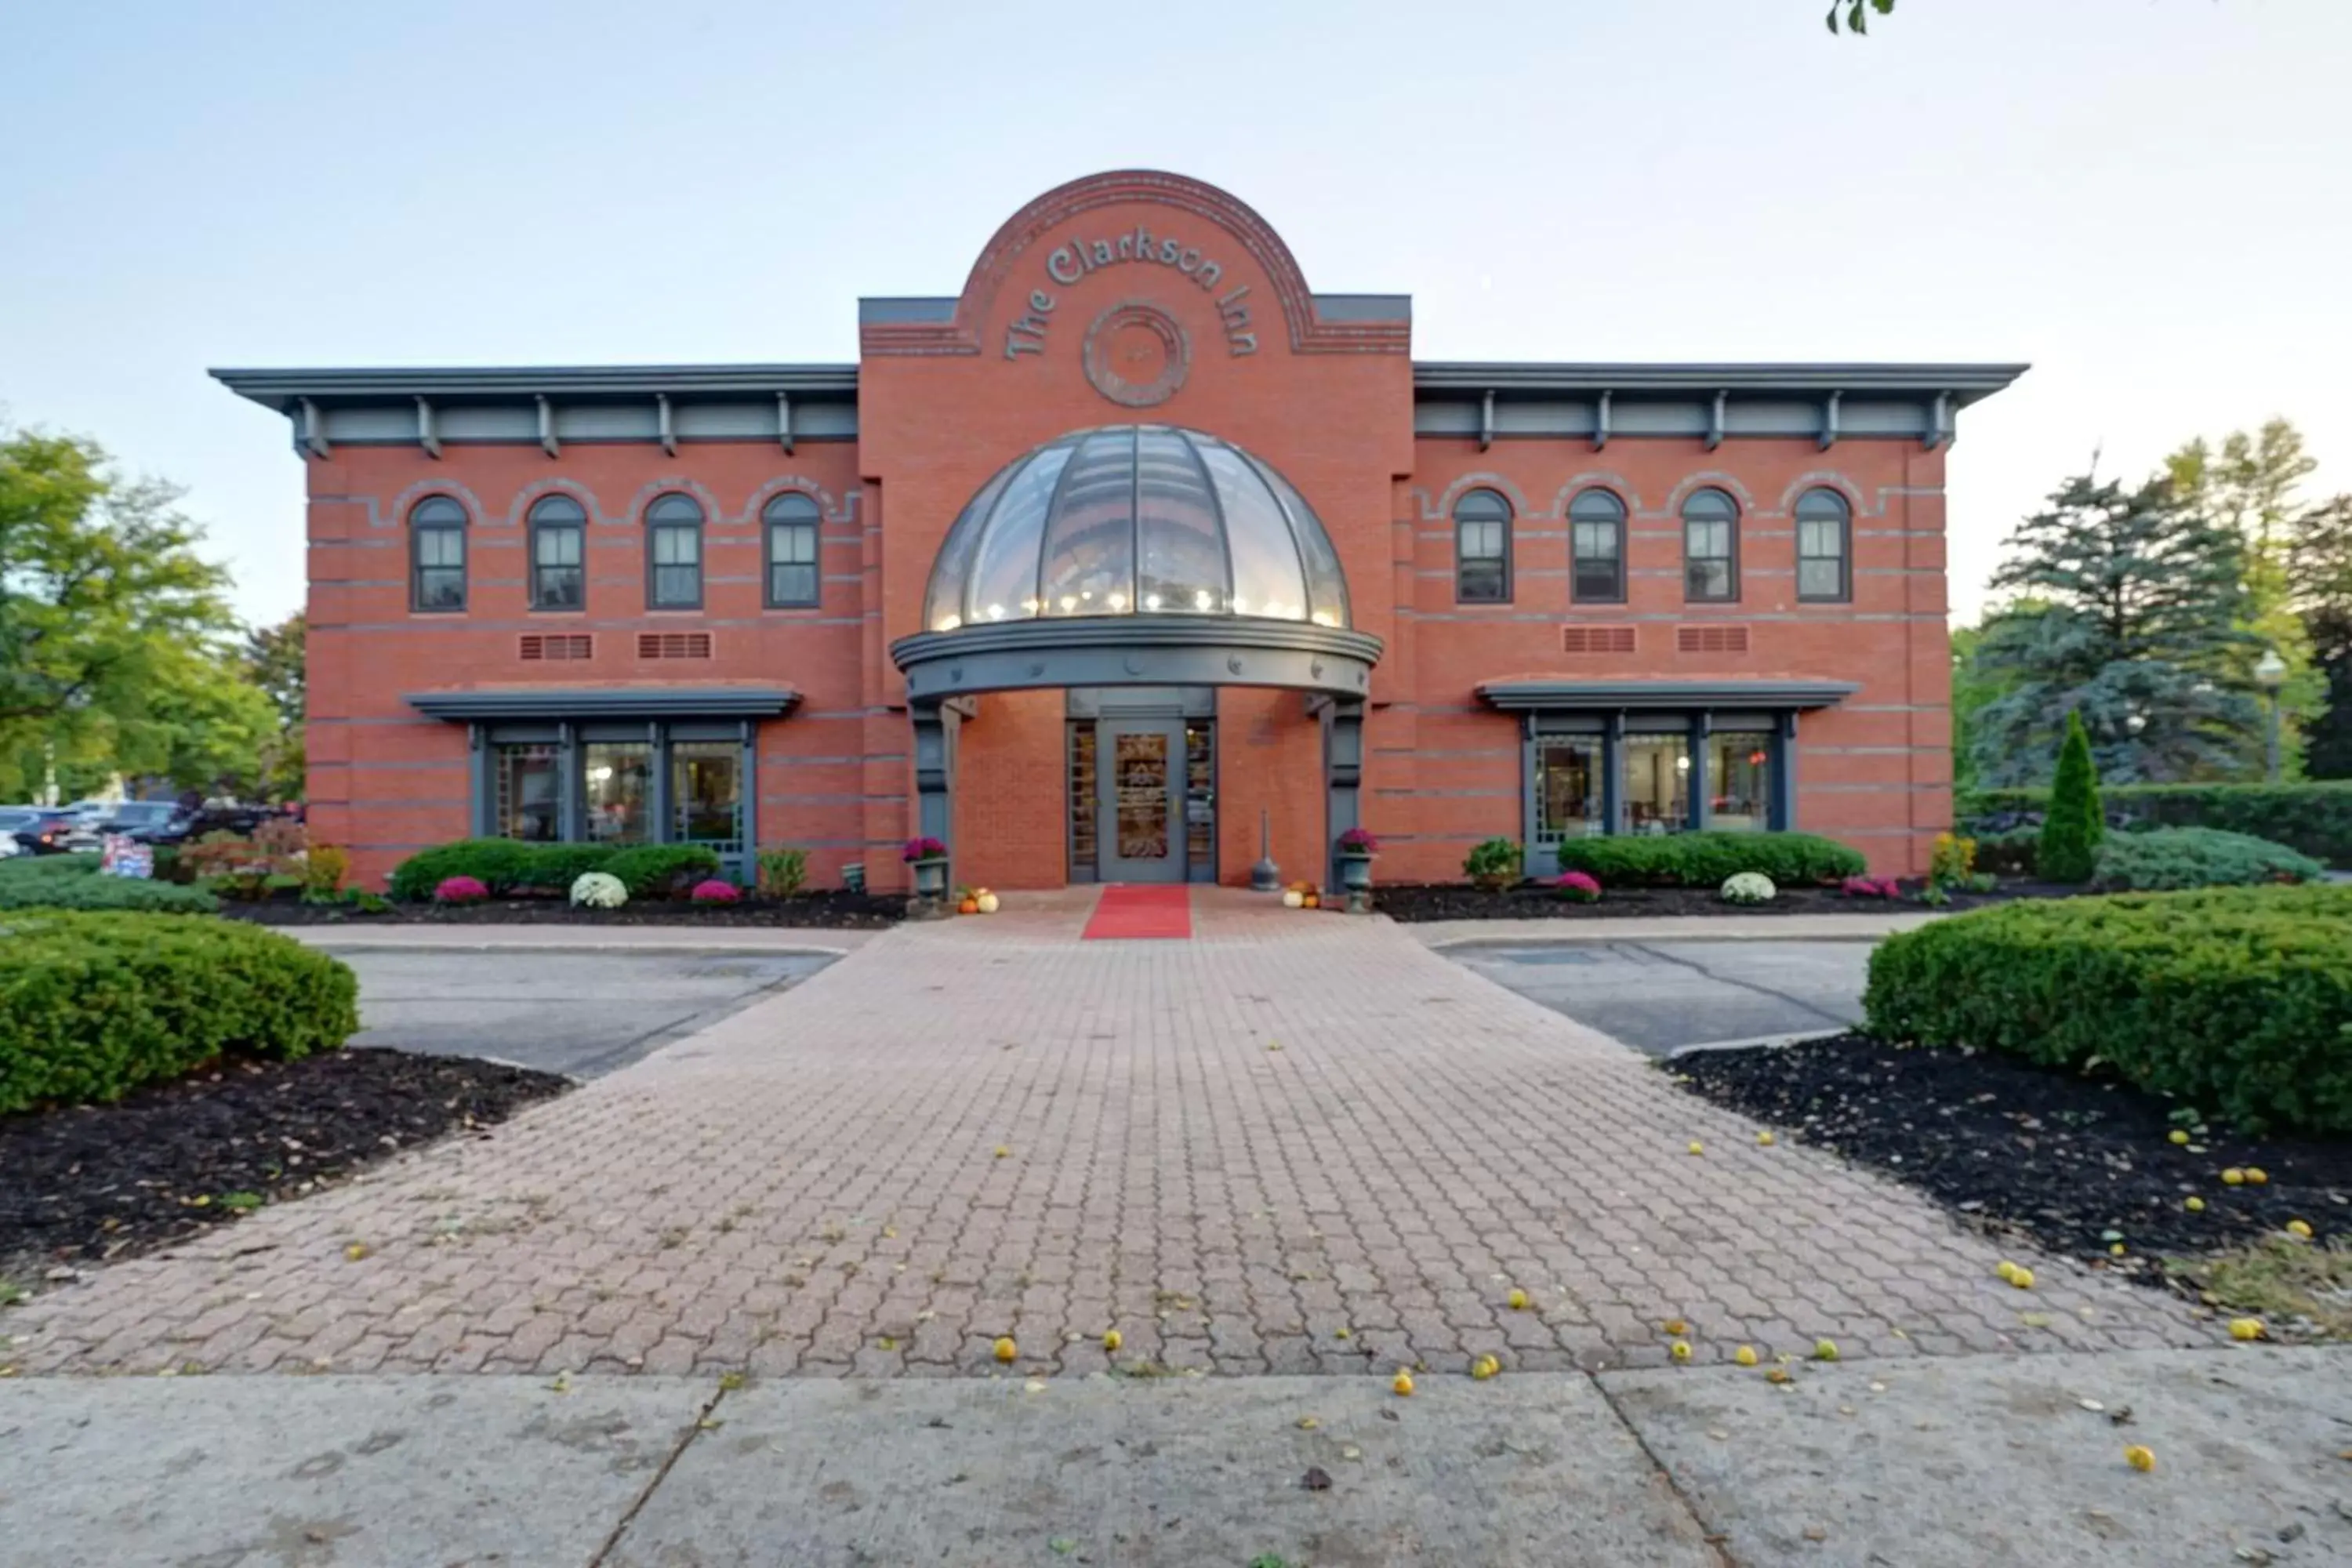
{"points": [[1522, 696], [609, 702], [1135, 650]]}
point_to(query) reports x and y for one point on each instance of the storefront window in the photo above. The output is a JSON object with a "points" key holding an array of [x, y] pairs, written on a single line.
{"points": [[1739, 781], [530, 792], [706, 793], [618, 776], [1568, 790], [1657, 782]]}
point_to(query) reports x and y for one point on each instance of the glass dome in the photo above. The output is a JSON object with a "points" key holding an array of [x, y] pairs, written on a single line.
{"points": [[1136, 519]]}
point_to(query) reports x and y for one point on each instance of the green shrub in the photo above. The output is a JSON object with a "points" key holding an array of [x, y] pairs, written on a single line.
{"points": [[1495, 864], [782, 872], [2316, 819], [2233, 999], [501, 865], [2073, 824], [1709, 860], [91, 1005], [2175, 857], [2010, 854], [73, 882], [659, 870]]}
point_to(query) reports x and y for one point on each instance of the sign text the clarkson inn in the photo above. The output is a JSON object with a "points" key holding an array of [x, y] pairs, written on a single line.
{"points": [[1073, 259]]}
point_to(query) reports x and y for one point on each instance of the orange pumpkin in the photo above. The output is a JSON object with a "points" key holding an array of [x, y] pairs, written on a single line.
{"points": [[1313, 900], [968, 907]]}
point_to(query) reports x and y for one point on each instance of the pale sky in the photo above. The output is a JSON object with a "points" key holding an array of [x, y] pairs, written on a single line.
{"points": [[2151, 200]]}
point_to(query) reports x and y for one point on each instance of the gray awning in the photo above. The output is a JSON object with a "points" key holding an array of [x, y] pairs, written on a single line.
{"points": [[1523, 696], [609, 702]]}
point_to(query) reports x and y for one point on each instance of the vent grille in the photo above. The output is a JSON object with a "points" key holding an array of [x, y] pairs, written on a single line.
{"points": [[552, 648], [1711, 638], [673, 644], [1596, 639]]}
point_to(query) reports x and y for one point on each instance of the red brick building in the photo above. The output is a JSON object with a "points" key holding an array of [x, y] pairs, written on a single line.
{"points": [[1135, 546]]}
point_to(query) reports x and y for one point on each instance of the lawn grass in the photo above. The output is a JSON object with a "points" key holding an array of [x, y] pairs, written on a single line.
{"points": [[2279, 1277]]}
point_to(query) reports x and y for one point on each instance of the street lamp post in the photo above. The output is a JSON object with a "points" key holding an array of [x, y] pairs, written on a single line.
{"points": [[2270, 673]]}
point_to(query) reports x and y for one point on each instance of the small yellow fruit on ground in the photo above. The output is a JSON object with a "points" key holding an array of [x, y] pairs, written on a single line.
{"points": [[1765, 1138], [356, 1250], [1485, 1367], [1111, 1342], [1401, 1384], [2021, 1278], [2256, 1176], [1340, 1333], [1697, 1147], [2117, 1248], [1676, 1326], [1518, 1300], [2232, 1176], [2005, 1268], [1679, 1350], [2195, 1205], [2177, 1136], [1006, 1350], [2139, 1458], [1745, 1355], [1825, 1349], [1776, 1375], [1003, 1151], [2299, 1228], [2245, 1328]]}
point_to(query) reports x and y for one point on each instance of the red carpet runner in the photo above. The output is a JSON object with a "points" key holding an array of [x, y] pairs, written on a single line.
{"points": [[1128, 913]]}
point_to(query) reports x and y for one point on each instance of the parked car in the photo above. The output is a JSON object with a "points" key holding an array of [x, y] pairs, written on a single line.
{"points": [[38, 829], [134, 818], [163, 822]]}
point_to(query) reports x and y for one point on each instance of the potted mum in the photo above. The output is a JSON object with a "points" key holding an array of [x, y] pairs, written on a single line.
{"points": [[929, 857], [1356, 848]]}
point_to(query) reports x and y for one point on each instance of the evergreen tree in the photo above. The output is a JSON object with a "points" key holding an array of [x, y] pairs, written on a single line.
{"points": [[2130, 615], [2074, 822], [2319, 573]]}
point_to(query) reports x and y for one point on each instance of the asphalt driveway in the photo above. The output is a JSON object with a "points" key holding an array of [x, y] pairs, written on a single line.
{"points": [[1663, 995], [580, 1013]]}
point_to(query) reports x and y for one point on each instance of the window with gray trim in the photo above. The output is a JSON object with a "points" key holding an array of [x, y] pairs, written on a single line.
{"points": [[791, 521], [436, 546], [559, 554], [1824, 545], [1596, 542], [673, 553], [1482, 548], [1710, 548]]}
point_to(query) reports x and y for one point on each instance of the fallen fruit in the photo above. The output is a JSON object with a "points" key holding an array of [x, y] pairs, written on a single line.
{"points": [[356, 1250], [1697, 1147], [1402, 1384], [1308, 1423], [1340, 1333], [2117, 1249], [2139, 1458], [1745, 1355], [1485, 1367], [2021, 1278], [2177, 1136], [1003, 1151], [2004, 1269], [1676, 1326], [1776, 1375], [2232, 1176], [1825, 1349], [2245, 1328], [2195, 1205], [1679, 1350], [2298, 1228], [1111, 1342], [2256, 1176], [1765, 1138], [1518, 1300], [1006, 1350]]}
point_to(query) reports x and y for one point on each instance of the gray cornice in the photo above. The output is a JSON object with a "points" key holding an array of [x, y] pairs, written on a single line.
{"points": [[283, 388], [1135, 650], [609, 702], [1518, 696], [1966, 382]]}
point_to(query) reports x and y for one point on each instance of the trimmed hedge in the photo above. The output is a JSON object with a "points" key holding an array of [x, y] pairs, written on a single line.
{"points": [[2176, 857], [72, 882], [657, 871], [2236, 1000], [2316, 819], [1707, 860], [92, 1005]]}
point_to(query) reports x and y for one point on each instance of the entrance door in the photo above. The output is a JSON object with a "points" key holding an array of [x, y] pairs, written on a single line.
{"points": [[1140, 763]]}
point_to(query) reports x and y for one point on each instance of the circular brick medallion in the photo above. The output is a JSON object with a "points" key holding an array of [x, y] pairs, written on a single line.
{"points": [[1137, 355]]}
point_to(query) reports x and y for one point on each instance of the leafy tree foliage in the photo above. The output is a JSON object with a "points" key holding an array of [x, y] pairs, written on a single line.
{"points": [[2319, 577], [113, 630], [2137, 625], [273, 658], [1855, 14], [2073, 827]]}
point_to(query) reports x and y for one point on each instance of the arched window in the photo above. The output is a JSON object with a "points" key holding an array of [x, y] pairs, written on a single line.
{"points": [[1710, 548], [791, 521], [1596, 542], [559, 554], [1482, 548], [436, 555], [673, 553], [1824, 546]]}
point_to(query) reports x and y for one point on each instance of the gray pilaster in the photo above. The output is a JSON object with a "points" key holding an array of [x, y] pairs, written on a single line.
{"points": [[934, 810], [1613, 770], [747, 814], [1701, 793], [1531, 864], [571, 809], [1343, 766], [1784, 775], [479, 758], [657, 783]]}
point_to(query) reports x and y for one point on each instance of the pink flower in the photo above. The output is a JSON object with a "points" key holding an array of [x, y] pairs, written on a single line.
{"points": [[460, 891], [715, 892], [1577, 886], [1358, 841], [924, 850]]}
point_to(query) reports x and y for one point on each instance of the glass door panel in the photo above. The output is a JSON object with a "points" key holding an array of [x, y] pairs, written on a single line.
{"points": [[618, 776], [706, 795], [1142, 788], [1657, 782]]}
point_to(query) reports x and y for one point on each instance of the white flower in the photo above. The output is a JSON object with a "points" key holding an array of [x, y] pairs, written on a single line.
{"points": [[1749, 887], [599, 890]]}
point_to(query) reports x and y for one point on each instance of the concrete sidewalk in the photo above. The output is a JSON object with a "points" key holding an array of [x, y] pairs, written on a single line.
{"points": [[1865, 927], [489, 937], [1947, 1464]]}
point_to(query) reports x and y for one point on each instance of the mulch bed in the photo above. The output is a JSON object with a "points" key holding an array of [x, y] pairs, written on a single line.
{"points": [[85, 1183], [2075, 1161], [835, 910], [1416, 901]]}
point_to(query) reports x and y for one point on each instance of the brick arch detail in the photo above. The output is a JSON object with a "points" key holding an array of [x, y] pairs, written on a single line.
{"points": [[1829, 480], [518, 513], [828, 508], [1608, 480], [1441, 508], [1710, 479], [396, 514], [712, 512]]}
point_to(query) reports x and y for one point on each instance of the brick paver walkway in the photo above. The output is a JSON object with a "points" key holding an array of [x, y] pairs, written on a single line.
{"points": [[984, 1126]]}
